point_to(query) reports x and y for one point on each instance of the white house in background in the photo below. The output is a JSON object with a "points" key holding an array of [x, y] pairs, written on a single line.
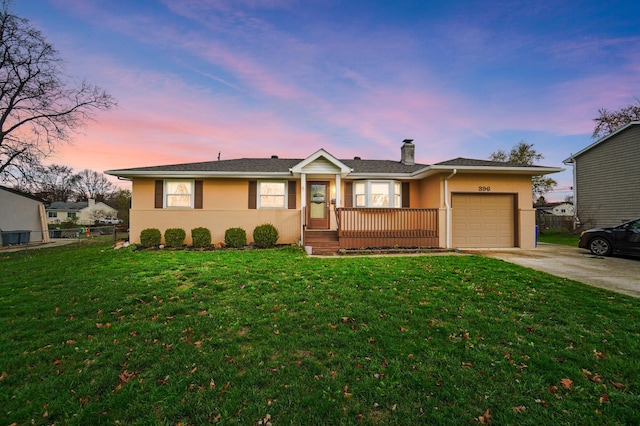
{"points": [[22, 212], [557, 209], [84, 212]]}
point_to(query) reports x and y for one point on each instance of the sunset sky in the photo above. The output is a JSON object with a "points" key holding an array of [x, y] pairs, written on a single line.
{"points": [[255, 78]]}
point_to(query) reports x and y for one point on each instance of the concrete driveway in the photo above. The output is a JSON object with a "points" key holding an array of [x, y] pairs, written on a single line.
{"points": [[619, 274]]}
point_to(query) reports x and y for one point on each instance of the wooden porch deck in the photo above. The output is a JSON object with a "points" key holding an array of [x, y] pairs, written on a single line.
{"points": [[374, 228]]}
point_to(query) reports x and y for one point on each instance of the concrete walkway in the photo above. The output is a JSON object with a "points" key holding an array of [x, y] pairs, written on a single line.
{"points": [[54, 242], [619, 274]]}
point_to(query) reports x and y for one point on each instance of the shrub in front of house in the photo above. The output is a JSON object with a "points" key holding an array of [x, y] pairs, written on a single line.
{"points": [[150, 237], [265, 236], [201, 237], [174, 237], [235, 237]]}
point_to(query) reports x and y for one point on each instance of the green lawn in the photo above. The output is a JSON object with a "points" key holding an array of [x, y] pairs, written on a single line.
{"points": [[96, 336], [559, 236]]}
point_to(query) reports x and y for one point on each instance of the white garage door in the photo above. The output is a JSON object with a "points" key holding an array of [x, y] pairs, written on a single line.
{"points": [[483, 220]]}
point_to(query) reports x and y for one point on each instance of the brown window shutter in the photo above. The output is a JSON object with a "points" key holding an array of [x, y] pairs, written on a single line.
{"points": [[405, 195], [159, 194], [253, 194], [292, 194], [197, 201], [347, 201]]}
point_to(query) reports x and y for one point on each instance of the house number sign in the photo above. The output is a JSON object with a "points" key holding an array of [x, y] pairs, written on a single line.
{"points": [[483, 188]]}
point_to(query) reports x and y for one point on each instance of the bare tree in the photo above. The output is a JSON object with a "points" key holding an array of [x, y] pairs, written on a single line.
{"points": [[121, 201], [523, 153], [52, 183], [91, 184], [609, 121], [38, 108]]}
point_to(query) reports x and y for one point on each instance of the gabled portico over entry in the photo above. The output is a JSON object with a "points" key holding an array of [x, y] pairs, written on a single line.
{"points": [[320, 189]]}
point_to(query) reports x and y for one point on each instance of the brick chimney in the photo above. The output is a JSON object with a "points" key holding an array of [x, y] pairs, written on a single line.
{"points": [[408, 152]]}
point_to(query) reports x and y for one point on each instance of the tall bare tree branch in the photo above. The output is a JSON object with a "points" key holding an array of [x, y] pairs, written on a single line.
{"points": [[608, 122], [38, 107]]}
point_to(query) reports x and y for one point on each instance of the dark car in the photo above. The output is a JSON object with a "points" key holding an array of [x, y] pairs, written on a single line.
{"points": [[623, 239]]}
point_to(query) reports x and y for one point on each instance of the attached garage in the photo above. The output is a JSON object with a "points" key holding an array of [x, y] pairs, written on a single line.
{"points": [[483, 220]]}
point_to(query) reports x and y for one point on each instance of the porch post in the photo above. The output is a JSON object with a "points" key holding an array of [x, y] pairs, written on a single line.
{"points": [[338, 195], [303, 205]]}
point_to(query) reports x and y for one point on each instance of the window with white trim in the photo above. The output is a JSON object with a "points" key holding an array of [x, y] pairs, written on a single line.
{"points": [[178, 193], [272, 195], [377, 193]]}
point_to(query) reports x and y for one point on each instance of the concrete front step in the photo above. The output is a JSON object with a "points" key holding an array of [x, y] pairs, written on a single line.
{"points": [[324, 251], [322, 242]]}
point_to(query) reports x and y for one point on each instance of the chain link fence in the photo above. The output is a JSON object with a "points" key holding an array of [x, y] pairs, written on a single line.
{"points": [[26, 239]]}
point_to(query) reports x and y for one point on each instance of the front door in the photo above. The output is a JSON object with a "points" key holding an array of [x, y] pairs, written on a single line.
{"points": [[318, 205]]}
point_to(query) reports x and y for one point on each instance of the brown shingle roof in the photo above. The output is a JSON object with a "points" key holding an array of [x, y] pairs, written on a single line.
{"points": [[282, 166], [276, 165], [480, 163]]}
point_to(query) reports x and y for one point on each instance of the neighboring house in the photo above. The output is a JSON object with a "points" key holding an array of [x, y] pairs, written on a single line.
{"points": [[556, 209], [356, 202], [85, 213], [22, 212], [555, 215], [606, 179]]}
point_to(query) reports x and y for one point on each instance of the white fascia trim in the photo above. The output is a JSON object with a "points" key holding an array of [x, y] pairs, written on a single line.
{"points": [[195, 175], [344, 169], [499, 169]]}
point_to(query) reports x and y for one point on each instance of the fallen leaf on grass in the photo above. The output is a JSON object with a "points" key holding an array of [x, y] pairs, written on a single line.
{"points": [[519, 408], [3, 376], [567, 383], [126, 376], [617, 385], [484, 419], [266, 420], [604, 398]]}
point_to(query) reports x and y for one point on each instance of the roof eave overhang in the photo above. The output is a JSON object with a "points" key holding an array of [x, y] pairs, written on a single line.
{"points": [[195, 175], [532, 171], [293, 172]]}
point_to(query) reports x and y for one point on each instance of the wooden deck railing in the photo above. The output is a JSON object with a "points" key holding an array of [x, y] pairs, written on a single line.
{"points": [[387, 227]]}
